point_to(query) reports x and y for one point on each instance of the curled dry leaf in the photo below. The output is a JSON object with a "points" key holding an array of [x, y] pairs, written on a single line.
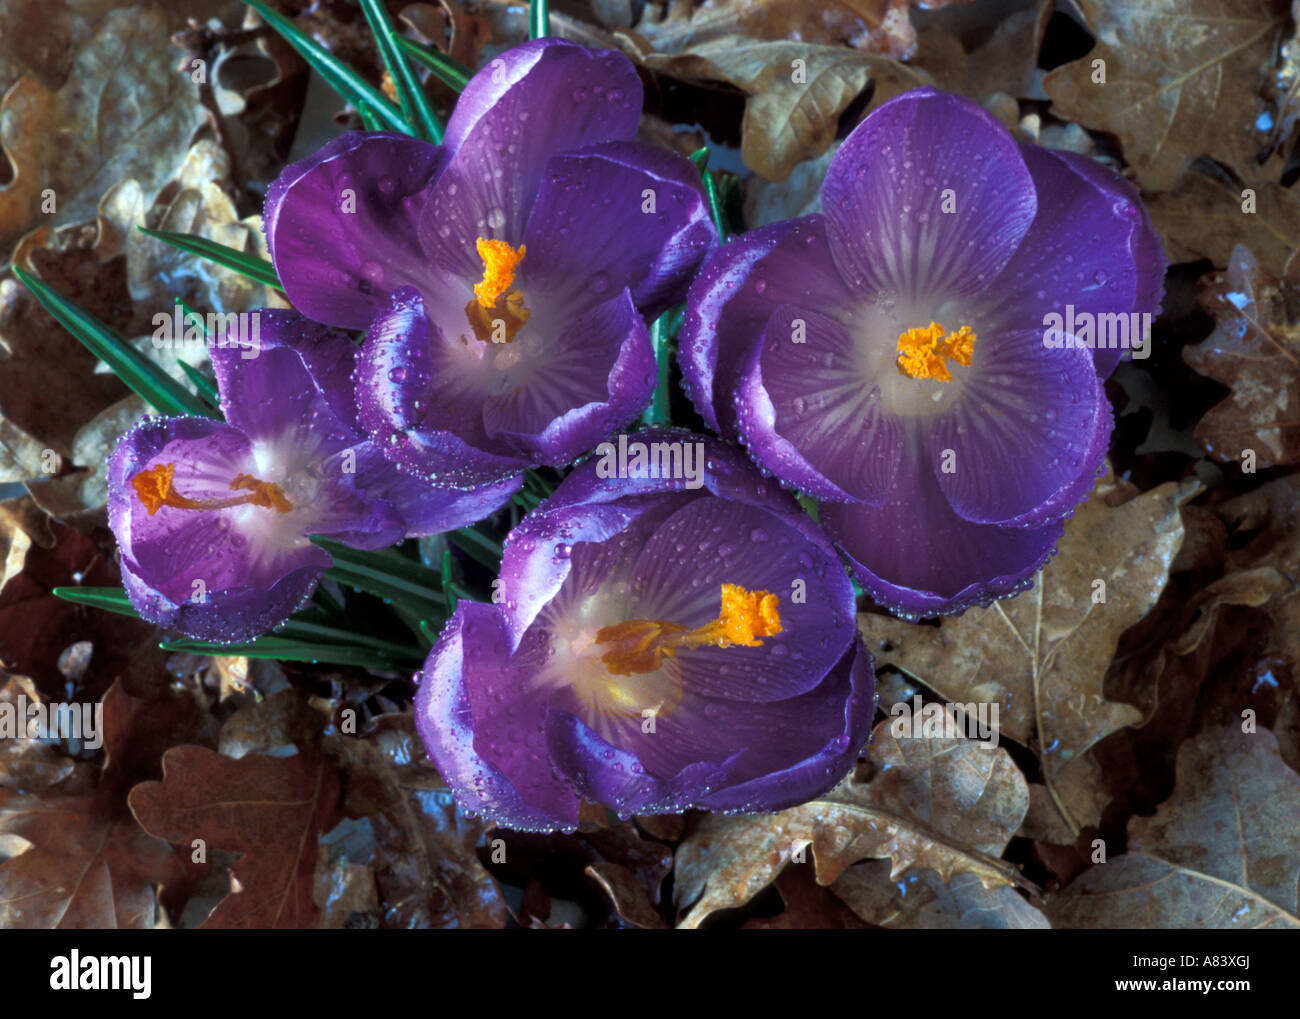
{"points": [[949, 805], [123, 112], [1042, 656], [1222, 852], [1254, 350], [1181, 80], [874, 26], [796, 91]]}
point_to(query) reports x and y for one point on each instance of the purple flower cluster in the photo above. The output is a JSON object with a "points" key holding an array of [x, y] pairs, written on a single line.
{"points": [[673, 630]]}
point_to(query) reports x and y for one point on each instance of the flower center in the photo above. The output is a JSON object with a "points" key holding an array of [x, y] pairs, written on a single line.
{"points": [[154, 487], [922, 351], [497, 313], [638, 646]]}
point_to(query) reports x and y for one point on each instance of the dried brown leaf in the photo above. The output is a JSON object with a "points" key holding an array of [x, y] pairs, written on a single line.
{"points": [[949, 805], [1041, 656], [920, 900], [1206, 217], [269, 810], [874, 26], [426, 866], [1181, 80], [1222, 852], [1255, 351], [793, 108], [123, 112]]}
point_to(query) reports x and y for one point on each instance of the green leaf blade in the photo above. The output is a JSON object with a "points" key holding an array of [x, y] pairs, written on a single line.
{"points": [[142, 375]]}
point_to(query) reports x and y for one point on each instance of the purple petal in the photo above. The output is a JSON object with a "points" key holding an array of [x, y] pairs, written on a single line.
{"points": [[724, 754], [594, 231], [295, 391], [1145, 249], [678, 577], [810, 414], [573, 384], [770, 774], [420, 397], [491, 753], [927, 199], [916, 557], [1078, 253], [1027, 434], [532, 102], [740, 286], [341, 225]]}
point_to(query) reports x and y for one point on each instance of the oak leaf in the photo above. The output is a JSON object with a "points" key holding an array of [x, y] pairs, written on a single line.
{"points": [[796, 91], [1222, 852], [1181, 80], [269, 810], [1041, 656], [949, 805]]}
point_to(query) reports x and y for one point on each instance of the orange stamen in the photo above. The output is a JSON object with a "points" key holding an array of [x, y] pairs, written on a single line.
{"points": [[639, 645], [921, 351], [497, 313], [155, 488]]}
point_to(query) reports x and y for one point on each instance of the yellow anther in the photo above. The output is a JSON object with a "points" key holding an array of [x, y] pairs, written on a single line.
{"points": [[497, 313], [922, 351], [639, 645], [500, 261]]}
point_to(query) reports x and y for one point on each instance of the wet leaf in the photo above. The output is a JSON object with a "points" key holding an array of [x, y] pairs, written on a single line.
{"points": [[425, 861], [1222, 852], [1181, 80], [1255, 351], [796, 91], [1041, 657], [921, 900], [949, 805]]}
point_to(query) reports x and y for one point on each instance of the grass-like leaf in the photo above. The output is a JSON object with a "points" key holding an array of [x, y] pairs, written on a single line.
{"points": [[141, 374], [539, 19], [287, 649], [701, 160], [658, 413], [252, 266], [342, 78], [448, 70], [478, 547], [110, 599], [415, 104]]}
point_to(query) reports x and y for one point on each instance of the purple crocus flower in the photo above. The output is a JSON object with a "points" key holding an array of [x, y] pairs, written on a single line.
{"points": [[213, 518], [504, 275], [918, 355], [684, 639]]}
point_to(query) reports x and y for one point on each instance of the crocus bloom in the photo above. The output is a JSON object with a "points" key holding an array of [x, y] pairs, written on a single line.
{"points": [[504, 275], [899, 356], [213, 518], [656, 646]]}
